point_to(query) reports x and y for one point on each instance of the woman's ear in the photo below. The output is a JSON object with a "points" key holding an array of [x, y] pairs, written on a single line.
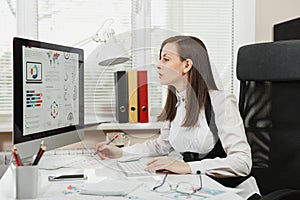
{"points": [[188, 65]]}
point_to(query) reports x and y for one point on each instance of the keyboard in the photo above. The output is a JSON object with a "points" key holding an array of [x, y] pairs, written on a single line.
{"points": [[76, 159], [134, 168]]}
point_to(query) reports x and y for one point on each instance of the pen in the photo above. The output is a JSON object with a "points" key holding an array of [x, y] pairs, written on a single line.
{"points": [[110, 141], [17, 157], [42, 143], [39, 154]]}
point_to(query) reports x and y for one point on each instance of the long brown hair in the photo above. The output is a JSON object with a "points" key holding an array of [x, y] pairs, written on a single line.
{"points": [[200, 80]]}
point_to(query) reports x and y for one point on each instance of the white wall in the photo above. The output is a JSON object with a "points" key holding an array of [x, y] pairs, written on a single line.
{"points": [[270, 12]]}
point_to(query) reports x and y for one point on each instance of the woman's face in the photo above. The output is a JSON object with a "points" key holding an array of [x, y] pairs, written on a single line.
{"points": [[170, 67]]}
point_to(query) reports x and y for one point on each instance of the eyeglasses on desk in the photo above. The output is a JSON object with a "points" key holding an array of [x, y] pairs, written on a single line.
{"points": [[181, 187]]}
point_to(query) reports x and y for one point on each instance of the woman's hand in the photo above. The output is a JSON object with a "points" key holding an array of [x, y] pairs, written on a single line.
{"points": [[108, 151], [167, 163]]}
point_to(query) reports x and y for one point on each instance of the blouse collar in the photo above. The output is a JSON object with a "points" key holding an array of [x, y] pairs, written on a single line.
{"points": [[181, 96]]}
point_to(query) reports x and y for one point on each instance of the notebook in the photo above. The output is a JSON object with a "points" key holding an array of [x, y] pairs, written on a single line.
{"points": [[109, 187]]}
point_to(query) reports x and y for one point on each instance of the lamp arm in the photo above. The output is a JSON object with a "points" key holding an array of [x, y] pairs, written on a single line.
{"points": [[95, 37], [85, 41], [111, 22]]}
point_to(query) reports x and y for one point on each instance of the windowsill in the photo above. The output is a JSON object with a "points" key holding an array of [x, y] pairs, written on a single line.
{"points": [[6, 123], [6, 128], [130, 126]]}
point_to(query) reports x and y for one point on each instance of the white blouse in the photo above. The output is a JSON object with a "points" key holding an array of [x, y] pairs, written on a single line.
{"points": [[200, 139]]}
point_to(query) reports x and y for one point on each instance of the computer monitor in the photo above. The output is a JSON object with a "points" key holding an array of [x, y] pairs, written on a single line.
{"points": [[48, 96]]}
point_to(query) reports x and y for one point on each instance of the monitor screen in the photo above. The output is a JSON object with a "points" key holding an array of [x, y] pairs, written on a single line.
{"points": [[48, 95]]}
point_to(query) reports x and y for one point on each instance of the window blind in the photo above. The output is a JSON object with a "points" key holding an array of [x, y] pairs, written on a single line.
{"points": [[142, 56], [210, 20], [67, 22], [8, 24], [70, 21]]}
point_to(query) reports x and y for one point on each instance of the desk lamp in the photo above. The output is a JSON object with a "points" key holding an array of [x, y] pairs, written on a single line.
{"points": [[109, 52]]}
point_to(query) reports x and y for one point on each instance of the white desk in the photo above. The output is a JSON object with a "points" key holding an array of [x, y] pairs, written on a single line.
{"points": [[69, 190]]}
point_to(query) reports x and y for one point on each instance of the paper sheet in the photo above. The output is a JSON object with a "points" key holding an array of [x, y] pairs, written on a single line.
{"points": [[110, 187]]}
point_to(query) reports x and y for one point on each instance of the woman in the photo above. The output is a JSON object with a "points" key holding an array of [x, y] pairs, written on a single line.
{"points": [[201, 122]]}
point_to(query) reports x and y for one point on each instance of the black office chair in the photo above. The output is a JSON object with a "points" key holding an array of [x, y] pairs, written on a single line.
{"points": [[269, 103]]}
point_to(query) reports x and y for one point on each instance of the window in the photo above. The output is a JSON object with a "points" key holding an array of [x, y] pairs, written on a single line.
{"points": [[7, 20], [71, 21], [210, 20], [68, 22]]}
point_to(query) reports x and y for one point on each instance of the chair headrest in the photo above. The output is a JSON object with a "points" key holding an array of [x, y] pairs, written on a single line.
{"points": [[273, 61]]}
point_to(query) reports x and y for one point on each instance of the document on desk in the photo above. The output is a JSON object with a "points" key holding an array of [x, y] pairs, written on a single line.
{"points": [[109, 187], [211, 190]]}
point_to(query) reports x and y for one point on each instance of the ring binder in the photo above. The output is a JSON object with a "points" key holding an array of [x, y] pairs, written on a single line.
{"points": [[121, 90], [132, 96], [143, 96]]}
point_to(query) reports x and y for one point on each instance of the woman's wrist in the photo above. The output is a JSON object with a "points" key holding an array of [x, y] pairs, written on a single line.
{"points": [[181, 168], [188, 168]]}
